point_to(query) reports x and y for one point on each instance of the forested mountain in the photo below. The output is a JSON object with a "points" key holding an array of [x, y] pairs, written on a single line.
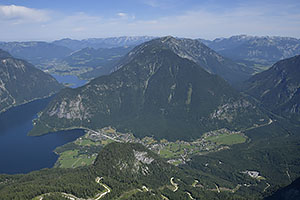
{"points": [[97, 43], [121, 171], [88, 58], [278, 88], [264, 50], [155, 92], [199, 53], [251, 170], [171, 89], [291, 191], [21, 82]]}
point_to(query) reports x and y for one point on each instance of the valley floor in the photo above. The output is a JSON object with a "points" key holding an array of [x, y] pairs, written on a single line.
{"points": [[84, 150]]}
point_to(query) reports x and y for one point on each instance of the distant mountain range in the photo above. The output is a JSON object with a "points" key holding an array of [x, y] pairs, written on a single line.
{"points": [[97, 43], [21, 82], [158, 91], [35, 52], [89, 58], [278, 88], [174, 90], [264, 50]]}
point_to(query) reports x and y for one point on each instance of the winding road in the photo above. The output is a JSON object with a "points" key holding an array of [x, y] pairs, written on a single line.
{"points": [[174, 184], [103, 185], [72, 197]]}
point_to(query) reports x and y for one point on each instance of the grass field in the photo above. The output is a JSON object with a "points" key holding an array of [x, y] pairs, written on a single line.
{"points": [[227, 139], [106, 142], [175, 150], [84, 150], [86, 142], [71, 159], [81, 152]]}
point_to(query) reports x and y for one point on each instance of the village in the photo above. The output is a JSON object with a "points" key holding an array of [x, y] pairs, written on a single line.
{"points": [[178, 152]]}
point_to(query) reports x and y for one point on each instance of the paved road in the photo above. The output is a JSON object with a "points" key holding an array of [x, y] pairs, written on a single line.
{"points": [[174, 184], [72, 197]]}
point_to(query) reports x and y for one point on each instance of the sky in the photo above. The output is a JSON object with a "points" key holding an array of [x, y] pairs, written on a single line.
{"points": [[48, 20]]}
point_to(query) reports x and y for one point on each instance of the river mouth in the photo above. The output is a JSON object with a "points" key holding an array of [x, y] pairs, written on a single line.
{"points": [[20, 153]]}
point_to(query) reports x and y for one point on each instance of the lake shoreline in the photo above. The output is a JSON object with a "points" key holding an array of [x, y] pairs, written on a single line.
{"points": [[20, 153]]}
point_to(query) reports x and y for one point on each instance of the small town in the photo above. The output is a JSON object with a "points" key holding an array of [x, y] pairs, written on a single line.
{"points": [[178, 152]]}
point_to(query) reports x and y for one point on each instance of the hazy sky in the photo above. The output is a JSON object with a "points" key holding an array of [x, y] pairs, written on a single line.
{"points": [[208, 19]]}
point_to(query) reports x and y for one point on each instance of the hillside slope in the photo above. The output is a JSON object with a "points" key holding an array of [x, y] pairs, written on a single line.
{"points": [[21, 82], [197, 52], [121, 171], [279, 87], [156, 93]]}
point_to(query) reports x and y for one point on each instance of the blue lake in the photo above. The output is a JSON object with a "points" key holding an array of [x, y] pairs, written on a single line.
{"points": [[20, 153], [70, 79]]}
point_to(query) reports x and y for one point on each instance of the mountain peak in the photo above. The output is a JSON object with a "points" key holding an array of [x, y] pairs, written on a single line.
{"points": [[128, 158], [158, 91], [167, 38], [197, 52]]}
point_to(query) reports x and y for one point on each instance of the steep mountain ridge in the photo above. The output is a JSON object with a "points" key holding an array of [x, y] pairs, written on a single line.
{"points": [[156, 93], [21, 82], [198, 53], [279, 87]]}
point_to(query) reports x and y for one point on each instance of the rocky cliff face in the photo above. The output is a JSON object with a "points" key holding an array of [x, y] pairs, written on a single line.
{"points": [[21, 82], [279, 87], [155, 93]]}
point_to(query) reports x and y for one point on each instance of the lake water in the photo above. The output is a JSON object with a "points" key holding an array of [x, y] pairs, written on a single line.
{"points": [[20, 153], [74, 81]]}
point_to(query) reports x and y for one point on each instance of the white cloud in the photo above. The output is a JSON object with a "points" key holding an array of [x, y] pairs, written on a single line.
{"points": [[122, 14], [251, 20], [125, 16], [21, 14]]}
